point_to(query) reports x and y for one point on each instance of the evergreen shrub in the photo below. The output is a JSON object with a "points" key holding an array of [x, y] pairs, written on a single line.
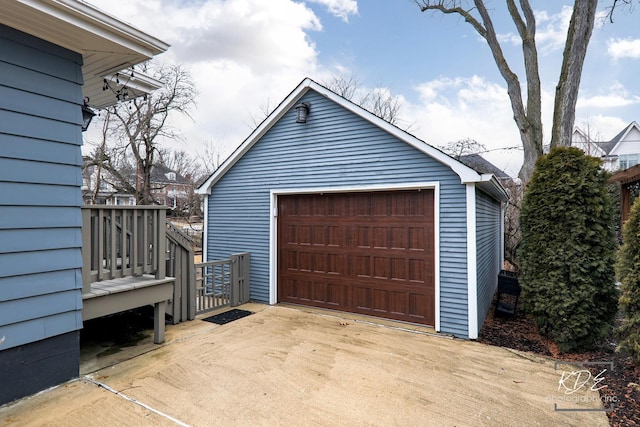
{"points": [[568, 250], [628, 272]]}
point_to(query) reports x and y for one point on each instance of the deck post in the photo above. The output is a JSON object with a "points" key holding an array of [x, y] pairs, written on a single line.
{"points": [[159, 309], [161, 242], [240, 278]]}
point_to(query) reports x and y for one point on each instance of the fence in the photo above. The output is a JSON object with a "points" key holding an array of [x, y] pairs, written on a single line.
{"points": [[222, 283]]}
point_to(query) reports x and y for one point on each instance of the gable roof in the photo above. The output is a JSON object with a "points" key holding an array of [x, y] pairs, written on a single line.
{"points": [[582, 138], [616, 140], [107, 44], [159, 174], [482, 165], [467, 174]]}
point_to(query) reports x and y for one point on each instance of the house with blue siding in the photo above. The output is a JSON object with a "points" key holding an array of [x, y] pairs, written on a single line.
{"points": [[54, 57], [342, 210]]}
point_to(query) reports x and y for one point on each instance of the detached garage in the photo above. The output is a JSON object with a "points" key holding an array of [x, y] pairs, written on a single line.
{"points": [[344, 211]]}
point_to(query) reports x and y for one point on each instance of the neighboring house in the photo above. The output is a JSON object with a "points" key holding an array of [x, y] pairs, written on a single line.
{"points": [[345, 211], [621, 152], [107, 193], [54, 55], [169, 188]]}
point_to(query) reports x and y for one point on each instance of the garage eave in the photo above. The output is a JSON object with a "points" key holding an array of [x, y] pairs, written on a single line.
{"points": [[490, 185]]}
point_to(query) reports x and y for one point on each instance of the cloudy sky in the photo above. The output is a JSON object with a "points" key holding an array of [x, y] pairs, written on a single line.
{"points": [[245, 55]]}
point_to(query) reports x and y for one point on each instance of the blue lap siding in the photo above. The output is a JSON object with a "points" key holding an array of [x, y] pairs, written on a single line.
{"points": [[40, 218], [335, 148], [489, 238]]}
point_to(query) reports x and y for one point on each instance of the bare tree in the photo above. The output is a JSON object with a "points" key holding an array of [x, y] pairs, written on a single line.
{"points": [[379, 101], [465, 146], [182, 163], [343, 85], [264, 110], [211, 158], [527, 115], [383, 104], [109, 165], [139, 125]]}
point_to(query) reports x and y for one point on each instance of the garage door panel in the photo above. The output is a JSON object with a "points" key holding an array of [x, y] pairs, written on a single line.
{"points": [[298, 290], [369, 253], [381, 267], [319, 263], [362, 266], [398, 238], [336, 295], [398, 269], [416, 239], [380, 237], [398, 303], [416, 304], [416, 271]]}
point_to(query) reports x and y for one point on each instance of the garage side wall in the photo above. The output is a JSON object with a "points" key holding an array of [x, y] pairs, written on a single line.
{"points": [[489, 241], [40, 218], [335, 148]]}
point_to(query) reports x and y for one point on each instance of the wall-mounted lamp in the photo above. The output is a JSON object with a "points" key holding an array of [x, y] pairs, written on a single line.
{"points": [[302, 111], [87, 115]]}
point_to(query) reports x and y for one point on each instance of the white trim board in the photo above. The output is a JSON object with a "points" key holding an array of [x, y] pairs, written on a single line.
{"points": [[472, 262]]}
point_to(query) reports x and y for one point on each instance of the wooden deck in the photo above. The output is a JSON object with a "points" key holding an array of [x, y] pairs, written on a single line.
{"points": [[125, 259], [126, 293]]}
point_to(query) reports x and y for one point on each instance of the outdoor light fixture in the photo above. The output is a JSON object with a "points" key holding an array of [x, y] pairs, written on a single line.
{"points": [[302, 111], [87, 115]]}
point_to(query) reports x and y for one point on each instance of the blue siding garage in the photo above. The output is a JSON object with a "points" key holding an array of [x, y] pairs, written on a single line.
{"points": [[344, 149]]}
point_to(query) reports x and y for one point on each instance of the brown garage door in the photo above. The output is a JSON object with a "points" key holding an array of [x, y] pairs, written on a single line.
{"points": [[368, 253]]}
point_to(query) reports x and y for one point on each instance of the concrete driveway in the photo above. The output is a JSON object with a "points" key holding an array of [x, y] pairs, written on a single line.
{"points": [[298, 367]]}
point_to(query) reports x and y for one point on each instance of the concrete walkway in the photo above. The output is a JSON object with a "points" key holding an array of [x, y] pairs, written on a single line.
{"points": [[296, 367]]}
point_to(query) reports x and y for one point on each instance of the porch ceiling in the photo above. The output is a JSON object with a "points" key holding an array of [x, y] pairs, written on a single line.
{"points": [[107, 44]]}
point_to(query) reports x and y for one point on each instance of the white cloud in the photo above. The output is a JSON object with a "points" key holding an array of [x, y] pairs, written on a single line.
{"points": [[600, 127], [242, 54], [605, 101], [624, 48], [551, 30], [340, 8], [615, 96], [451, 109]]}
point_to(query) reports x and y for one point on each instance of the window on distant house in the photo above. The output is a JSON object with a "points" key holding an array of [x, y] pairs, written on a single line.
{"points": [[628, 160]]}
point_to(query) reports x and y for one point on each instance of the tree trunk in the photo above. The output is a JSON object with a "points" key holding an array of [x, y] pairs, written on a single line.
{"points": [[575, 51], [532, 145], [529, 119]]}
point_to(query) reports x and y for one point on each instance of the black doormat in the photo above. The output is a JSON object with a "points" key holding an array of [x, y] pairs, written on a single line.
{"points": [[228, 316]]}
